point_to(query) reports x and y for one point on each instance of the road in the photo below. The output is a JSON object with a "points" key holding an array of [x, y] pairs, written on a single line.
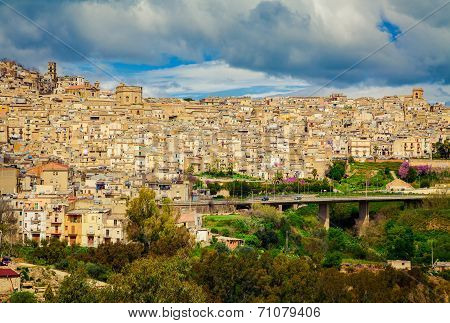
{"points": [[307, 199]]}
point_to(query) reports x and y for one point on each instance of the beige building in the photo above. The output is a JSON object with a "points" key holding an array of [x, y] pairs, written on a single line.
{"points": [[128, 95], [53, 174], [8, 180]]}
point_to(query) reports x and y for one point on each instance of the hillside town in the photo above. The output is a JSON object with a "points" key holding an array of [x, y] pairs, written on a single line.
{"points": [[73, 153]]}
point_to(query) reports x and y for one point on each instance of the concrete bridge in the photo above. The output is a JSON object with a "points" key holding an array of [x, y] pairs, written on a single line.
{"points": [[294, 202]]}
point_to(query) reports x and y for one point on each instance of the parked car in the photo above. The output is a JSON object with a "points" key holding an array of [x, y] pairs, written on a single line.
{"points": [[5, 261]]}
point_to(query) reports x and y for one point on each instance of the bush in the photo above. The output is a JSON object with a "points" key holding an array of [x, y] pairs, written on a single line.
{"points": [[267, 237], [225, 232], [98, 272], [425, 183], [332, 259], [22, 297], [337, 170]]}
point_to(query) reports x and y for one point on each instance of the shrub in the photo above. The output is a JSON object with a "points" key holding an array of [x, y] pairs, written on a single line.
{"points": [[337, 170], [332, 259], [22, 297]]}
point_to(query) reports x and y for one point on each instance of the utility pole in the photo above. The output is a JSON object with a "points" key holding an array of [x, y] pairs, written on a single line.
{"points": [[432, 254], [287, 241]]}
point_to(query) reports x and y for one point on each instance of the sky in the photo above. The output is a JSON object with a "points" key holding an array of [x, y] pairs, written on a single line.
{"points": [[199, 48]]}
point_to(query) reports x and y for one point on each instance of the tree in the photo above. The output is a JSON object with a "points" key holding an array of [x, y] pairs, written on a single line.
{"points": [[230, 168], [114, 255], [23, 297], [154, 280], [399, 241], [411, 176], [278, 176], [375, 152], [314, 173], [403, 170], [268, 237], [49, 296], [442, 149], [76, 289], [8, 222], [190, 170], [332, 259], [139, 211], [150, 224], [337, 170]]}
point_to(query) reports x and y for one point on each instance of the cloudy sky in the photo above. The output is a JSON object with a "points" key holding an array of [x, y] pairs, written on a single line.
{"points": [[198, 48]]}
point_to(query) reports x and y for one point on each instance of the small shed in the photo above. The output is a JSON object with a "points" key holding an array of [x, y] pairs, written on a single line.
{"points": [[398, 185], [400, 264], [442, 266], [9, 281]]}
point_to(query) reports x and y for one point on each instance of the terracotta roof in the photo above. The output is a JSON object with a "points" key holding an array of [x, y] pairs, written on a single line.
{"points": [[8, 272], [75, 87], [52, 166]]}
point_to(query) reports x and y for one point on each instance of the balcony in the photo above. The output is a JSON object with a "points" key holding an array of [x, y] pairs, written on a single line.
{"points": [[55, 220], [55, 232]]}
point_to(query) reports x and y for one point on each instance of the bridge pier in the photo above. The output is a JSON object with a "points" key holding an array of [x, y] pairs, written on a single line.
{"points": [[280, 207], [324, 215], [363, 220], [295, 206]]}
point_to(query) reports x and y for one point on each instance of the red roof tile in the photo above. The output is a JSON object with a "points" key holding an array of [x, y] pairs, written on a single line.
{"points": [[8, 273], [52, 166]]}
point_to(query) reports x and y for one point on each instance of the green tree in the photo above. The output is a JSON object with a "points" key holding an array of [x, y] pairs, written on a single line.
{"points": [[154, 280], [156, 227], [337, 170], [140, 210], [314, 173], [75, 288], [190, 170], [399, 241], [332, 259], [49, 296], [411, 176], [23, 297], [441, 149]]}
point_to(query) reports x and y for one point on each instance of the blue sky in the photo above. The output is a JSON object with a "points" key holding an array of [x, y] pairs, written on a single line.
{"points": [[210, 47]]}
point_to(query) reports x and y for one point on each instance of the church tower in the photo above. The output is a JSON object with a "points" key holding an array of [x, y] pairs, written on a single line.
{"points": [[418, 93], [52, 71]]}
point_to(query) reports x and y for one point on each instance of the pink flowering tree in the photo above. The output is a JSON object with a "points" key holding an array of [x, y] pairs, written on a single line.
{"points": [[290, 180], [403, 170], [423, 169]]}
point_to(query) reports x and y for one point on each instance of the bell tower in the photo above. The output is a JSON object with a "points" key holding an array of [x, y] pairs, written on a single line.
{"points": [[52, 71], [417, 93]]}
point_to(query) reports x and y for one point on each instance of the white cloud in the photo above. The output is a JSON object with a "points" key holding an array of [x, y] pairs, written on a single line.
{"points": [[291, 40], [211, 77]]}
